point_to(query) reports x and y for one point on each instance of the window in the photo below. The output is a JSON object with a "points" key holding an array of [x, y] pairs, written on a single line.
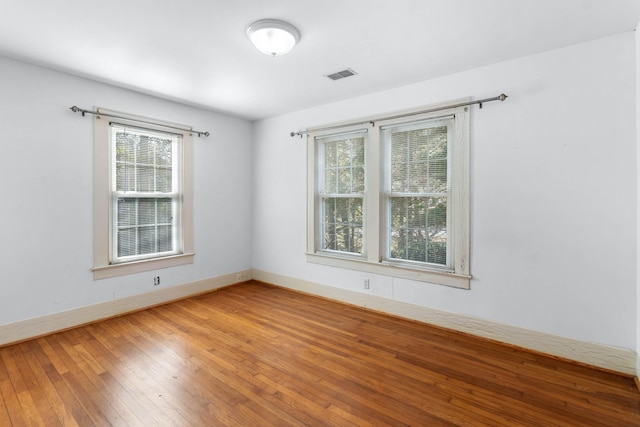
{"points": [[341, 189], [416, 192], [142, 196], [392, 197], [145, 189]]}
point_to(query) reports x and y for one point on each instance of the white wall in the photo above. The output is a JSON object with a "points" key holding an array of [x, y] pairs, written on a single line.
{"points": [[46, 170], [553, 199]]}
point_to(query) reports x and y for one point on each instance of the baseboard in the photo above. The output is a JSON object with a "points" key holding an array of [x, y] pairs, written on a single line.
{"points": [[598, 355], [606, 357], [43, 325]]}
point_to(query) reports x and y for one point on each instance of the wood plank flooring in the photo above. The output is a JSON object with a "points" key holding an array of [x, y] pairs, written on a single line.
{"points": [[258, 355]]}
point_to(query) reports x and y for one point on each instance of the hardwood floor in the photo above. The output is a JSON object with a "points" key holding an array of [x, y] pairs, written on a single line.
{"points": [[257, 355]]}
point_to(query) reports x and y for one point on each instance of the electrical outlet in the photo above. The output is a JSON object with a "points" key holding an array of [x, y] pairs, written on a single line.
{"points": [[366, 284], [156, 281]]}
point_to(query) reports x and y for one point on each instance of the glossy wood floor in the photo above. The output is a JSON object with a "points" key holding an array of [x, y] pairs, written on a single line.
{"points": [[257, 355]]}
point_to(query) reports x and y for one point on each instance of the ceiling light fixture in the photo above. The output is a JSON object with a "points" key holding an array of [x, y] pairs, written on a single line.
{"points": [[272, 36]]}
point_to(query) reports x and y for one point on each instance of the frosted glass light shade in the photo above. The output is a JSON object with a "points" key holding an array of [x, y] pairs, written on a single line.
{"points": [[273, 37]]}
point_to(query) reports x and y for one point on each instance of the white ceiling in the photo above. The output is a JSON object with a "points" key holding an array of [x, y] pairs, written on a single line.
{"points": [[197, 52]]}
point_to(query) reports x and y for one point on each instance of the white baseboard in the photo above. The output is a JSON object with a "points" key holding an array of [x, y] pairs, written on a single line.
{"points": [[611, 358], [43, 325]]}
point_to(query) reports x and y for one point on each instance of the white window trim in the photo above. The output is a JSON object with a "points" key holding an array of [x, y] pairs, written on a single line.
{"points": [[372, 261], [102, 268]]}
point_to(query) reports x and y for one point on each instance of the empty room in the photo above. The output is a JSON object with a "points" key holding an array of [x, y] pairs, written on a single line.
{"points": [[320, 213]]}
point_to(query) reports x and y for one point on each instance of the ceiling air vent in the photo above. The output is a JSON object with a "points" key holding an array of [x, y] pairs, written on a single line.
{"points": [[342, 74]]}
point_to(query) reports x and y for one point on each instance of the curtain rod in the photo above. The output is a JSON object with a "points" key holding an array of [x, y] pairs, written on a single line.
{"points": [[113, 116], [500, 97]]}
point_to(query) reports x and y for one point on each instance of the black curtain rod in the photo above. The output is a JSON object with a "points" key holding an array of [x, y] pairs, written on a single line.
{"points": [[500, 97], [113, 116]]}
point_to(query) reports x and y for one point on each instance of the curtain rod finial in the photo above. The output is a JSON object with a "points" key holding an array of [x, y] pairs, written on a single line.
{"points": [[502, 97], [75, 109]]}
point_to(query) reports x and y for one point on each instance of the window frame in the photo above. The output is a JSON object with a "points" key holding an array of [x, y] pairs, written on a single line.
{"points": [[374, 259], [104, 204]]}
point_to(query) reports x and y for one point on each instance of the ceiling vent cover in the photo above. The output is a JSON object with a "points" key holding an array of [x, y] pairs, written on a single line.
{"points": [[342, 74]]}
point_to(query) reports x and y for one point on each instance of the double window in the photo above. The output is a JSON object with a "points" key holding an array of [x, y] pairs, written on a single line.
{"points": [[392, 197], [142, 196]]}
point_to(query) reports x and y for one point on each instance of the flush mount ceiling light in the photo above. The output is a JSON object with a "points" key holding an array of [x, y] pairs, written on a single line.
{"points": [[272, 36]]}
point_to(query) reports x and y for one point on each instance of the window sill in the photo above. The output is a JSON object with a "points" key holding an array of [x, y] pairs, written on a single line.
{"points": [[422, 275], [114, 270]]}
